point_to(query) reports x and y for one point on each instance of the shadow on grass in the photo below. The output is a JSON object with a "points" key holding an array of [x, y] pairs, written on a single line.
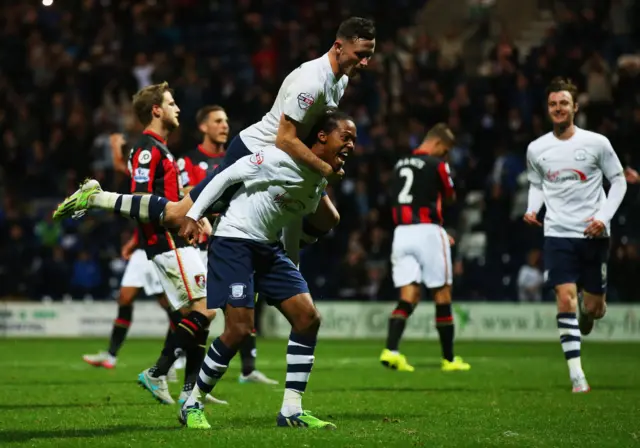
{"points": [[69, 382], [480, 390], [31, 434], [99, 404]]}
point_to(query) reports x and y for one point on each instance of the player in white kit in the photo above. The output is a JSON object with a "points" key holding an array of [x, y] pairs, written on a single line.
{"points": [[246, 256], [565, 170], [303, 97]]}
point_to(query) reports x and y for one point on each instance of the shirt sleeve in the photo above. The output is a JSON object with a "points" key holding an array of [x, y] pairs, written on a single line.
{"points": [[245, 169], [184, 170], [299, 97], [609, 162], [536, 196], [144, 164], [445, 179], [533, 170]]}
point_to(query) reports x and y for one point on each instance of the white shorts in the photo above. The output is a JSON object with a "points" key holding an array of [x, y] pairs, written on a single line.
{"points": [[183, 276], [421, 254], [204, 255], [140, 273]]}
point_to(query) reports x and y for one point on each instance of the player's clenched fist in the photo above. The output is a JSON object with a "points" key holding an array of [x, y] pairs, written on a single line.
{"points": [[531, 218], [595, 228], [189, 230]]}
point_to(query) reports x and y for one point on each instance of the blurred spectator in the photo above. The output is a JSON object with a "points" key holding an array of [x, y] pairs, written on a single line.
{"points": [[69, 71], [530, 279]]}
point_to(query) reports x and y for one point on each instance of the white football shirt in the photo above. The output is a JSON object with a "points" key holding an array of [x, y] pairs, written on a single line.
{"points": [[276, 192], [304, 96], [569, 173]]}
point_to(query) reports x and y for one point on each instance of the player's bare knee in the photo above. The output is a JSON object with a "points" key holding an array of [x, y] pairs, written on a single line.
{"points": [[308, 322], [442, 295], [566, 298], [236, 332], [127, 296], [163, 301], [410, 294], [201, 307]]}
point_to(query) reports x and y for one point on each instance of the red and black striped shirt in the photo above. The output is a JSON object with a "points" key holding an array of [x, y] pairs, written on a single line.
{"points": [[154, 170], [420, 182]]}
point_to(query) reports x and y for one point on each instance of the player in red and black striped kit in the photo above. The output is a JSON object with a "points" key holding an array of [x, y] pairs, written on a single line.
{"points": [[421, 251], [139, 274], [194, 166], [154, 170]]}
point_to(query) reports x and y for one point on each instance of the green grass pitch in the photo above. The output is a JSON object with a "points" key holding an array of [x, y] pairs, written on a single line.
{"points": [[516, 394]]}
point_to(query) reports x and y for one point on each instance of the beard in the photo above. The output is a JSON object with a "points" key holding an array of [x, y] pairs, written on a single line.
{"points": [[170, 125]]}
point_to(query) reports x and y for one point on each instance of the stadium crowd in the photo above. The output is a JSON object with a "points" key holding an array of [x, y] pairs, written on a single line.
{"points": [[67, 76]]}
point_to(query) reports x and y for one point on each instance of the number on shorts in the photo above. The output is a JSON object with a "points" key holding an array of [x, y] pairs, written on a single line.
{"points": [[405, 197]]}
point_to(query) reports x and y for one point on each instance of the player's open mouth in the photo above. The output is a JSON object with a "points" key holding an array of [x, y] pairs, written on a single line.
{"points": [[342, 155]]}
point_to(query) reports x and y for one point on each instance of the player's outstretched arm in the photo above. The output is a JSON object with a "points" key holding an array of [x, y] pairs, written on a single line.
{"points": [[288, 141], [241, 171]]}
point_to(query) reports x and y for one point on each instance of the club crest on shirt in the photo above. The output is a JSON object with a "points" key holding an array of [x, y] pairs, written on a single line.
{"points": [[580, 154], [305, 101], [201, 280]]}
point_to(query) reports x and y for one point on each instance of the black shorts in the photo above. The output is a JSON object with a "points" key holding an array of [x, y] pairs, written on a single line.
{"points": [[577, 260]]}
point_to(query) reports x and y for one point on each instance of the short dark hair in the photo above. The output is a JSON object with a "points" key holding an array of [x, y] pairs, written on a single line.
{"points": [[560, 84], [357, 28], [442, 132], [327, 123], [145, 99], [203, 113]]}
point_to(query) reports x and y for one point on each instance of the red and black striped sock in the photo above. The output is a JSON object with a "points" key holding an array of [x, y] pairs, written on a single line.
{"points": [[446, 330], [184, 340], [120, 328], [397, 322]]}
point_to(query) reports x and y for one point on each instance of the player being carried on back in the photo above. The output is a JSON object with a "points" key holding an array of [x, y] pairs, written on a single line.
{"points": [[194, 166], [248, 257], [421, 250], [304, 96], [566, 169]]}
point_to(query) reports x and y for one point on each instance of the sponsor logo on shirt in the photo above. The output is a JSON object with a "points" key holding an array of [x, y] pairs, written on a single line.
{"points": [[566, 174], [289, 203], [141, 175]]}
